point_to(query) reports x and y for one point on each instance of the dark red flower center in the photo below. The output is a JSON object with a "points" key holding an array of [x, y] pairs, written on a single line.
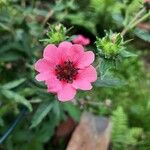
{"points": [[66, 72]]}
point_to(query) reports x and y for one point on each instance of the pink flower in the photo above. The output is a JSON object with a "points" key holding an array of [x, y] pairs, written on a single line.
{"points": [[80, 39], [146, 1], [65, 69]]}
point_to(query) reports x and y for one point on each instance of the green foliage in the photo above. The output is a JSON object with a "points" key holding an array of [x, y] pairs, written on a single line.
{"points": [[10, 95], [131, 9], [72, 110], [111, 50], [142, 34], [133, 97], [123, 138], [13, 84], [109, 81], [126, 54], [112, 8], [43, 109]]}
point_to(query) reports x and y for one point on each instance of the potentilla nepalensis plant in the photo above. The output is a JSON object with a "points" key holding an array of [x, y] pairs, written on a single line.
{"points": [[65, 69], [65, 66]]}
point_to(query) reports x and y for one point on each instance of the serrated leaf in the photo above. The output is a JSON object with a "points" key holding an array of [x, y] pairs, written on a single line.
{"points": [[47, 129], [142, 34], [72, 110], [133, 135], [105, 66], [43, 109], [118, 39], [127, 54], [13, 84], [17, 98], [109, 82]]}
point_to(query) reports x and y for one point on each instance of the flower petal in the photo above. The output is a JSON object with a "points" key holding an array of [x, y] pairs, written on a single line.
{"points": [[69, 51], [75, 52], [43, 76], [88, 74], [77, 48], [82, 84], [53, 84], [65, 45], [42, 65], [63, 49], [86, 59], [50, 53], [66, 93]]}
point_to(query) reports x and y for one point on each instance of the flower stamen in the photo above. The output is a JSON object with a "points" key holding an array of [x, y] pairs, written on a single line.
{"points": [[66, 72]]}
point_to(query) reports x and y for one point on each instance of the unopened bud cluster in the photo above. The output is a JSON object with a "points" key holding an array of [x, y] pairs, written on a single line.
{"points": [[110, 46], [56, 34]]}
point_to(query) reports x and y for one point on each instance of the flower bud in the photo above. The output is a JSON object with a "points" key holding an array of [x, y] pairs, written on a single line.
{"points": [[110, 45], [56, 34]]}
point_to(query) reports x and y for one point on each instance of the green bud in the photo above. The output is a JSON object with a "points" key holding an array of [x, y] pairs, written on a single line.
{"points": [[56, 34], [110, 46]]}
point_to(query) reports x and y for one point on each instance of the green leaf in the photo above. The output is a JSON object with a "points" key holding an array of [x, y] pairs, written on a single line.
{"points": [[119, 39], [119, 129], [5, 27], [13, 84], [72, 110], [133, 135], [105, 66], [17, 98], [47, 129], [43, 109], [109, 82], [1, 122], [142, 34], [127, 54], [9, 56], [9, 46], [57, 109]]}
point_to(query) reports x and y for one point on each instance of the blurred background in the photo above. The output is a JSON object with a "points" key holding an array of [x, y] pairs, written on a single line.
{"points": [[50, 124]]}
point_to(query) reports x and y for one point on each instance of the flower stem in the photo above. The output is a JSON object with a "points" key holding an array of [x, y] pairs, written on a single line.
{"points": [[136, 20], [137, 16], [140, 20], [49, 15]]}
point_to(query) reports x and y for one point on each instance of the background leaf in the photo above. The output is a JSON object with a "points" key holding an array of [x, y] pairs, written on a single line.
{"points": [[72, 110], [127, 54], [13, 84], [142, 34], [43, 109], [109, 82], [17, 98], [105, 66]]}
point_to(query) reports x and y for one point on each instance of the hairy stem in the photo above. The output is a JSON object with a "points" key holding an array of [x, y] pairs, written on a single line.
{"points": [[136, 20]]}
